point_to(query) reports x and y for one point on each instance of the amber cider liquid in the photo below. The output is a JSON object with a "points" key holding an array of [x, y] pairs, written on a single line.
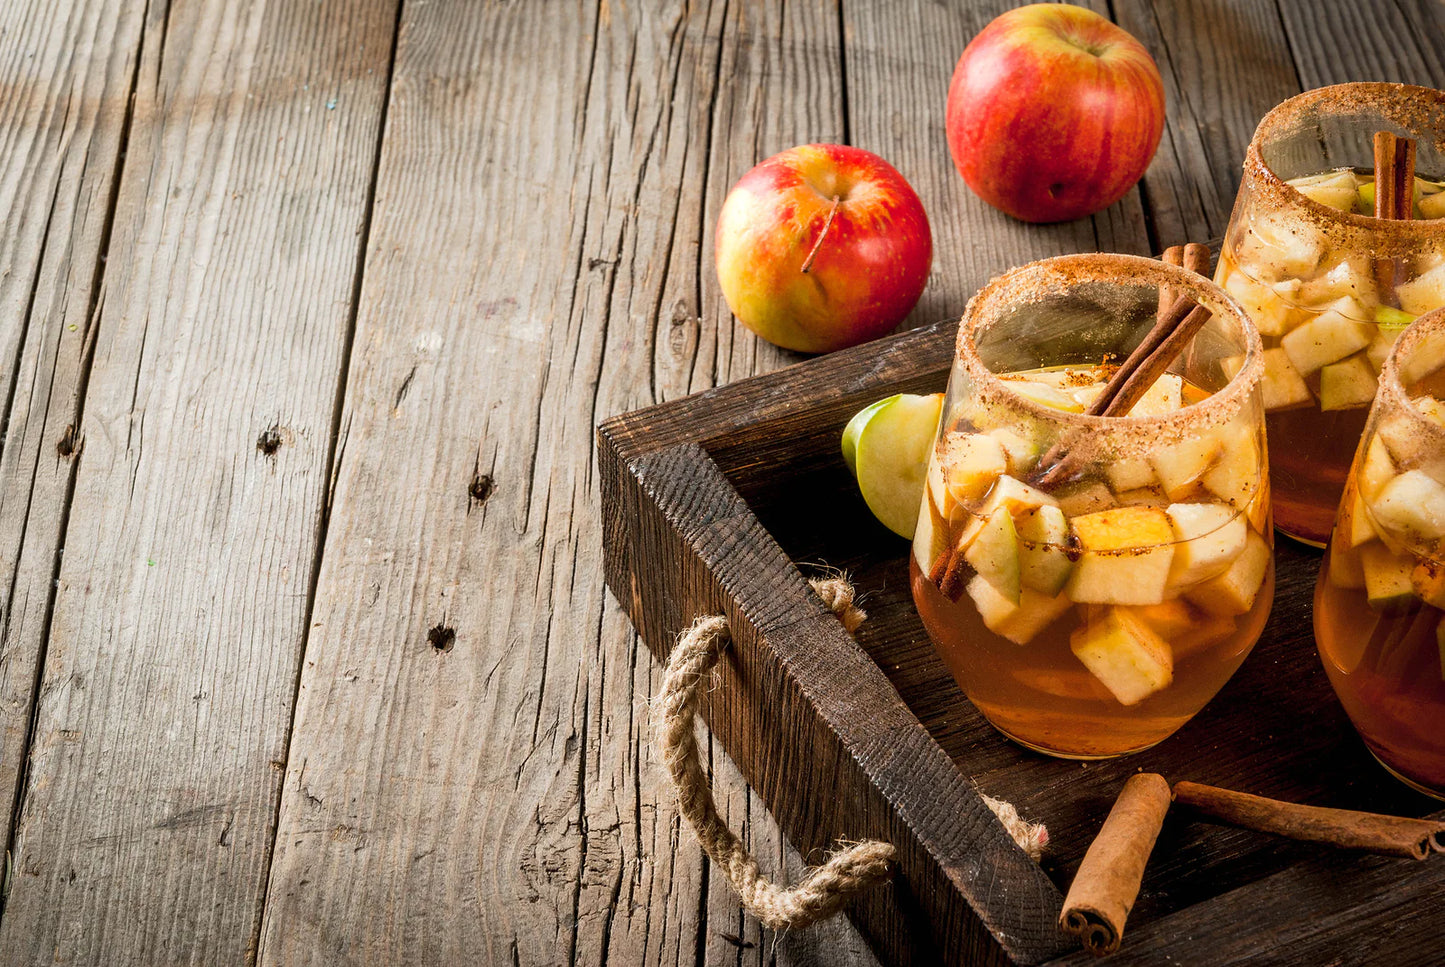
{"points": [[1040, 695], [1309, 458], [1386, 669]]}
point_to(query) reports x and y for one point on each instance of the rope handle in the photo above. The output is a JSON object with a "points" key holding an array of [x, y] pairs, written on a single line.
{"points": [[851, 870]]}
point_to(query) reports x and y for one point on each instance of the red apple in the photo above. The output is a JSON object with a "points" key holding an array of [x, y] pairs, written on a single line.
{"points": [[822, 246], [1054, 112]]}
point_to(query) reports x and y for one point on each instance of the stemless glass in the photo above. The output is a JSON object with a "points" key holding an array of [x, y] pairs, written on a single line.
{"points": [[1380, 597], [1329, 285], [1091, 582]]}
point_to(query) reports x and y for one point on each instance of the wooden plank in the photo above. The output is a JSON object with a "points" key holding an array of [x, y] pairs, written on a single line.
{"points": [[900, 58], [181, 606], [1372, 40], [68, 71], [1224, 66], [581, 856]]}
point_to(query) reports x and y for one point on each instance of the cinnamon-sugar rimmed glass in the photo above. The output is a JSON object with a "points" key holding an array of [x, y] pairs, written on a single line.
{"points": [[1329, 285], [1379, 612], [1092, 611]]}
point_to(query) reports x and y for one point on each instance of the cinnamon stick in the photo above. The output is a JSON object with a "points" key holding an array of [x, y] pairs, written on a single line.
{"points": [[1344, 828], [1104, 889], [1394, 197]]}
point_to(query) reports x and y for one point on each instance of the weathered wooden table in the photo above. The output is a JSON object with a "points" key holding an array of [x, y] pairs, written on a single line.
{"points": [[307, 312]]}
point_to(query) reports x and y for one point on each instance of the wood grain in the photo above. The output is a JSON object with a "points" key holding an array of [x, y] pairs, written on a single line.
{"points": [[180, 611], [514, 769], [66, 71]]}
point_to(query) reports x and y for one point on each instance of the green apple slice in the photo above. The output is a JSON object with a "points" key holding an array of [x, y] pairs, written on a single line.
{"points": [[855, 427], [994, 554], [891, 455]]}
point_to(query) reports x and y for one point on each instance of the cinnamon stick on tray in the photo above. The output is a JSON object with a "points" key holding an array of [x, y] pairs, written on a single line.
{"points": [[1345, 828], [1104, 889]]}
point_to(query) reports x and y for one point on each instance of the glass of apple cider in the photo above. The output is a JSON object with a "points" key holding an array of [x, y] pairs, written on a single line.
{"points": [[1329, 285], [1380, 598], [1092, 581]]}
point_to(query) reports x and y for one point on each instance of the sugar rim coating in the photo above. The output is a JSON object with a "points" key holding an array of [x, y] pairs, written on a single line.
{"points": [[1391, 391], [1419, 110], [1108, 437]]}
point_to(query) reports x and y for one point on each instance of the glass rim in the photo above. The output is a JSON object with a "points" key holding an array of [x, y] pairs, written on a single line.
{"points": [[1417, 109], [1036, 281]]}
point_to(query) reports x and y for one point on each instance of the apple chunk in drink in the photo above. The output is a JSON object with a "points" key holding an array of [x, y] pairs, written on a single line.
{"points": [[1329, 286], [1092, 612]]}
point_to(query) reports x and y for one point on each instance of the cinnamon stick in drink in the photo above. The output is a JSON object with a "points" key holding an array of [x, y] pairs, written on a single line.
{"points": [[1345, 828], [1104, 889], [1394, 197]]}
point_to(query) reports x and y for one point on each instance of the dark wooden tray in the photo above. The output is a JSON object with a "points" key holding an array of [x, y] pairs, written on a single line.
{"points": [[710, 501]]}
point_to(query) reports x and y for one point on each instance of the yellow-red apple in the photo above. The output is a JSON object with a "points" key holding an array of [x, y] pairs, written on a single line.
{"points": [[822, 246], [1054, 112]]}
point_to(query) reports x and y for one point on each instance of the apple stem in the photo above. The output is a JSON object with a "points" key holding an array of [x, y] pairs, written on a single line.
{"points": [[808, 262]]}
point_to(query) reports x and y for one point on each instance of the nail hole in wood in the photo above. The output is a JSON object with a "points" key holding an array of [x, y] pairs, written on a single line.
{"points": [[441, 638], [481, 487], [270, 440], [66, 446]]}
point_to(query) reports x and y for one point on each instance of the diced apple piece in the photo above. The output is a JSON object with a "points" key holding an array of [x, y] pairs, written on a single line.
{"points": [[1428, 580], [1431, 408], [1164, 397], [1377, 470], [1085, 395], [1234, 478], [1397, 431], [1180, 465], [1129, 473], [1047, 395], [1018, 622], [938, 496], [1021, 451], [971, 463], [1234, 591], [1412, 503], [1349, 278], [1168, 619], [1387, 577], [1231, 365], [1327, 338], [1424, 293], [1017, 496], [1379, 347], [1087, 498], [1044, 563], [1204, 635], [1346, 571], [1354, 525], [1282, 387], [1347, 385], [1210, 538], [1125, 556], [994, 554], [930, 537], [1143, 497], [1393, 319], [892, 458], [1432, 206], [1337, 189], [1278, 245], [1125, 654], [1264, 304]]}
